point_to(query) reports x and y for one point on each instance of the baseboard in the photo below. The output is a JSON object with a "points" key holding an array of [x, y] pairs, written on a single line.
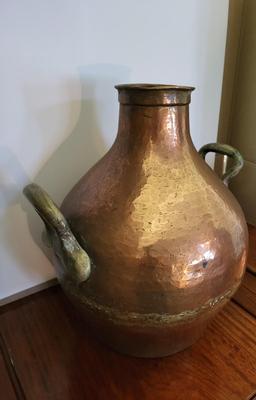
{"points": [[28, 292]]}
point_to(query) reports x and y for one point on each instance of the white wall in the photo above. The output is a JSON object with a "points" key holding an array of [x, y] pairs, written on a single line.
{"points": [[59, 62]]}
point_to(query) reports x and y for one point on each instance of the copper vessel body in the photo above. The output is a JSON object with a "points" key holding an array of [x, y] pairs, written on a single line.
{"points": [[167, 238]]}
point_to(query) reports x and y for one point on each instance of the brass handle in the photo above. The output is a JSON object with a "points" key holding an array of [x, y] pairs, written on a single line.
{"points": [[226, 150], [75, 262]]}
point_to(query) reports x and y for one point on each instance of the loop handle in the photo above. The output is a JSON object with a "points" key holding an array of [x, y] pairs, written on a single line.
{"points": [[226, 150], [74, 260]]}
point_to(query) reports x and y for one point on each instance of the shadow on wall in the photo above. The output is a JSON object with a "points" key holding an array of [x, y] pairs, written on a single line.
{"points": [[70, 161]]}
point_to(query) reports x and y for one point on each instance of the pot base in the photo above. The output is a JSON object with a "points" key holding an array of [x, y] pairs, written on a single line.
{"points": [[147, 348], [145, 340], [150, 342]]}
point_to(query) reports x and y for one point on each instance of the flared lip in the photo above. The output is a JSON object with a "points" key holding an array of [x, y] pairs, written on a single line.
{"points": [[153, 94], [153, 86]]}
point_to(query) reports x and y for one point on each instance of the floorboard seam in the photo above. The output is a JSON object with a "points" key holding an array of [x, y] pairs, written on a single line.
{"points": [[243, 308], [11, 370]]}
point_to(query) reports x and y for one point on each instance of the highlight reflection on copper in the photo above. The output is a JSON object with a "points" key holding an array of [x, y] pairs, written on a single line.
{"points": [[166, 236]]}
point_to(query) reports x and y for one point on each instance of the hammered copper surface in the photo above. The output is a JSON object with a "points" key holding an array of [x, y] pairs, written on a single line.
{"points": [[167, 241], [167, 238]]}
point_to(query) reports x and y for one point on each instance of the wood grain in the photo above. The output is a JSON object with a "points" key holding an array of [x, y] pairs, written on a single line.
{"points": [[6, 389], [56, 359], [246, 294], [252, 248]]}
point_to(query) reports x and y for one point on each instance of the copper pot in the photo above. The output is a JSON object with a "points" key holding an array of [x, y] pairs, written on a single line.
{"points": [[153, 243]]}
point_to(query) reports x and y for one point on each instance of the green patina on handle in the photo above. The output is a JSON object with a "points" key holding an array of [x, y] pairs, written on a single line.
{"points": [[74, 260], [226, 150]]}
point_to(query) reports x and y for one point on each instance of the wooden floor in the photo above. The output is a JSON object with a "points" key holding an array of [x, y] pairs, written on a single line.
{"points": [[47, 353]]}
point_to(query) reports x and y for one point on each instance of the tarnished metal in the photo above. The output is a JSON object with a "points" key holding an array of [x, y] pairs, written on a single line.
{"points": [[75, 263], [225, 150], [167, 239]]}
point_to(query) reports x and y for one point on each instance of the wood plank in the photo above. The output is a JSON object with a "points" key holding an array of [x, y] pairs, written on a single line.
{"points": [[55, 358], [6, 389], [252, 248], [246, 294]]}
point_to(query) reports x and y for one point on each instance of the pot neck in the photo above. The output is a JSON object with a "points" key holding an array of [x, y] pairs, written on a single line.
{"points": [[164, 126], [154, 114]]}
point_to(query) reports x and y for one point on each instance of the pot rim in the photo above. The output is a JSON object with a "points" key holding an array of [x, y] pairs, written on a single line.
{"points": [[153, 86]]}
